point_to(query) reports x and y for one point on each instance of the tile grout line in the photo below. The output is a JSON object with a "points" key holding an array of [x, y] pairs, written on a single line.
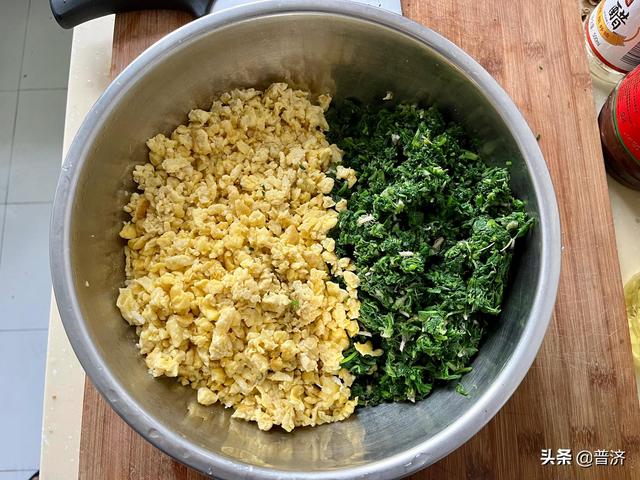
{"points": [[24, 45], [13, 133], [29, 202], [48, 89], [14, 330]]}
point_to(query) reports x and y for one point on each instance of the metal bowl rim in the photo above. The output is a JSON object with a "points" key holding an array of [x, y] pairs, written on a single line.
{"points": [[428, 451]]}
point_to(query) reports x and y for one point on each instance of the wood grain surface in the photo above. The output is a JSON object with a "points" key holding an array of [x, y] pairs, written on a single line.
{"points": [[580, 392], [134, 32]]}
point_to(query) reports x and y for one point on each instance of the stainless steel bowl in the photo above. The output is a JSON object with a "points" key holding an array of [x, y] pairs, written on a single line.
{"points": [[349, 50]]}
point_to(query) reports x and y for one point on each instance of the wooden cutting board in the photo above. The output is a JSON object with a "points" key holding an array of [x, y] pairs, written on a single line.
{"points": [[580, 392]]}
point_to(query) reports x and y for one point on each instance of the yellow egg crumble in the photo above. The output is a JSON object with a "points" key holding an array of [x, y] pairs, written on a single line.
{"points": [[229, 266]]}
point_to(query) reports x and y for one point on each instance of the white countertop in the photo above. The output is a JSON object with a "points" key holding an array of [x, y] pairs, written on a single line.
{"points": [[64, 383], [625, 204], [64, 380]]}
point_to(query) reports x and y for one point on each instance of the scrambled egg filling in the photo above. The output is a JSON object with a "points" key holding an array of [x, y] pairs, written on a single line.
{"points": [[229, 265]]}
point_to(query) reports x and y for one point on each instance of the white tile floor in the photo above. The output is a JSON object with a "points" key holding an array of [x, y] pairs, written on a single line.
{"points": [[34, 65], [14, 475]]}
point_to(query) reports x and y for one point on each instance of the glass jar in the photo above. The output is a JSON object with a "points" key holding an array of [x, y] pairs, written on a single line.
{"points": [[619, 122]]}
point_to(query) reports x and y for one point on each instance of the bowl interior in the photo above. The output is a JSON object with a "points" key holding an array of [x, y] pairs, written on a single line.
{"points": [[320, 52]]}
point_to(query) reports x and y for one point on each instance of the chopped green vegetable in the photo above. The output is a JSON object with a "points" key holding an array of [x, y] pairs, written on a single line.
{"points": [[431, 229], [461, 390]]}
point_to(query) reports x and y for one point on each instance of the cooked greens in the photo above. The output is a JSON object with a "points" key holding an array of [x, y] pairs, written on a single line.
{"points": [[431, 229]]}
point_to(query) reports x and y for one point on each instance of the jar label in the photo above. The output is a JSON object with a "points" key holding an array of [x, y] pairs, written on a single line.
{"points": [[626, 113], [613, 33]]}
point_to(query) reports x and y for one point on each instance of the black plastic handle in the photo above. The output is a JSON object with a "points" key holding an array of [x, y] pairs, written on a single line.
{"points": [[70, 13]]}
